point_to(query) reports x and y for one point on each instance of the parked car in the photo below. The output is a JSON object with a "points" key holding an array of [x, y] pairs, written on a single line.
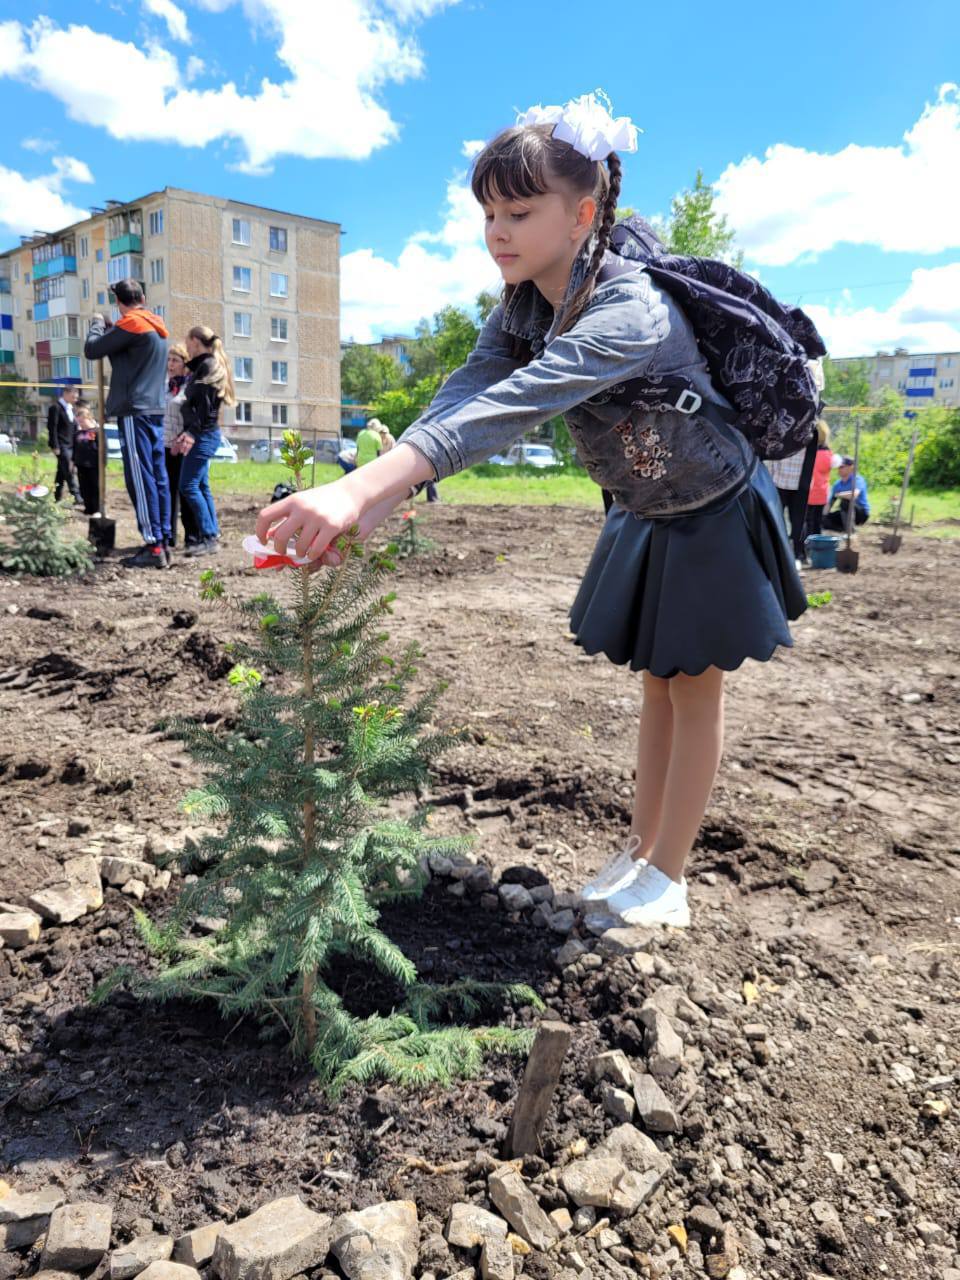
{"points": [[226, 451], [527, 454], [114, 453], [264, 451], [6, 443]]}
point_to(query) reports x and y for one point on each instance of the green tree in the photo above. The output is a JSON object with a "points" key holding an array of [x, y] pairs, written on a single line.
{"points": [[366, 374], [845, 384], [696, 228], [328, 733], [486, 303], [35, 528], [443, 344], [397, 409]]}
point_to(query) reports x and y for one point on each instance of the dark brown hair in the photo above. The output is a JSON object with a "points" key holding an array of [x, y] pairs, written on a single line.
{"points": [[529, 161]]}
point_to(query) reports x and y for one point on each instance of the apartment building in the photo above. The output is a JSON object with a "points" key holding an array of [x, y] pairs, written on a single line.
{"points": [[921, 379], [268, 282], [352, 416]]}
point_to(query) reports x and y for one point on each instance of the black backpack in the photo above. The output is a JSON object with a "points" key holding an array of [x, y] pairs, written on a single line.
{"points": [[757, 351]]}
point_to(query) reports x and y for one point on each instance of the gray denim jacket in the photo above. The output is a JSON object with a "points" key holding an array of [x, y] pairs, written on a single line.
{"points": [[655, 463]]}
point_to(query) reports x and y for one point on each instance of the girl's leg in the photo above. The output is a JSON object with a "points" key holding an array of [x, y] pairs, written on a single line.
{"points": [[653, 757], [207, 494], [695, 750]]}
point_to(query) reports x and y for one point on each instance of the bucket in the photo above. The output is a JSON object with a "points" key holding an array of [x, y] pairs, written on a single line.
{"points": [[822, 550]]}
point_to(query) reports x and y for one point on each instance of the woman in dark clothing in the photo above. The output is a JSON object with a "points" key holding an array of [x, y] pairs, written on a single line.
{"points": [[210, 385], [172, 429]]}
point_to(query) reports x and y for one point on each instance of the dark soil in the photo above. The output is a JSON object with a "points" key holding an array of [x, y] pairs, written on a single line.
{"points": [[828, 875]]}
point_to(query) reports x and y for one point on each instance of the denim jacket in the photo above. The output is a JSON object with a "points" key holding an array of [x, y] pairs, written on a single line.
{"points": [[655, 463]]}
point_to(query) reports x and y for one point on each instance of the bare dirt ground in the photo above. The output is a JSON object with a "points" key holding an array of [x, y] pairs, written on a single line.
{"points": [[827, 874]]}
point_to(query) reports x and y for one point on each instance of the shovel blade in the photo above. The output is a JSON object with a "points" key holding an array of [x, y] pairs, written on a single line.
{"points": [[890, 544], [848, 561], [102, 533]]}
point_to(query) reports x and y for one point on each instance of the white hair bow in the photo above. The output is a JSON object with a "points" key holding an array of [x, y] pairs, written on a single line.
{"points": [[587, 124]]}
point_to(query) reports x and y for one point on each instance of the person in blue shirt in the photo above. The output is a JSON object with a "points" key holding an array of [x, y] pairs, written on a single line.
{"points": [[849, 482]]}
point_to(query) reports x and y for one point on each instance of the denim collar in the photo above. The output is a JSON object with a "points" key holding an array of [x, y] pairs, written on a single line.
{"points": [[529, 316]]}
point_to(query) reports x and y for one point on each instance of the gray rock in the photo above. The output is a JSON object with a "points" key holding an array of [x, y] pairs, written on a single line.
{"points": [[624, 940], [19, 928], [84, 873], [599, 921], [21, 1206], [169, 1271], [567, 901], [515, 897], [61, 904], [519, 1206], [281, 1239], [562, 922], [118, 871], [662, 1045], [656, 1111], [541, 916], [20, 1235], [903, 1184], [593, 1180], [78, 1236], [830, 1232], [133, 1258], [381, 1241], [675, 1003], [496, 1260], [542, 893], [617, 1102], [468, 1226], [627, 1144], [930, 1232], [614, 1065], [569, 953], [195, 1248], [703, 1220]]}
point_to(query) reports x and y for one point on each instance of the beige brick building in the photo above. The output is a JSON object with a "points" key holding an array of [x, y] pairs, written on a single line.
{"points": [[921, 379], [268, 282]]}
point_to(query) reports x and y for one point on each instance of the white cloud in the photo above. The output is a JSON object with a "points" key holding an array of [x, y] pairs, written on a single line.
{"points": [[472, 148], [29, 204], [434, 270], [338, 56], [795, 203], [172, 15], [926, 317], [39, 145]]}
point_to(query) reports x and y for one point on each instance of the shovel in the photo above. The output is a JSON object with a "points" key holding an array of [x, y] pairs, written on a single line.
{"points": [[891, 542], [848, 560]]}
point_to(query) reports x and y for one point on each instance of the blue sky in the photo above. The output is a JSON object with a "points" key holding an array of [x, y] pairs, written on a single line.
{"points": [[832, 132]]}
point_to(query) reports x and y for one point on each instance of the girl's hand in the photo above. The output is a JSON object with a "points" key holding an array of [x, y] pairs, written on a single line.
{"points": [[184, 443], [320, 553], [315, 517]]}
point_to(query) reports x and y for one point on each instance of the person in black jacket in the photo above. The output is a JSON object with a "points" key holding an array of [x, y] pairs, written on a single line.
{"points": [[209, 387], [61, 432]]}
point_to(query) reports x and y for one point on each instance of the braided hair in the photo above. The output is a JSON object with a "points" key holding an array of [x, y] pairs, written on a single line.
{"points": [[528, 161]]}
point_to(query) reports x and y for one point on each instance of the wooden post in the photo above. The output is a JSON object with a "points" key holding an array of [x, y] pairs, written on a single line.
{"points": [[540, 1079], [101, 441]]}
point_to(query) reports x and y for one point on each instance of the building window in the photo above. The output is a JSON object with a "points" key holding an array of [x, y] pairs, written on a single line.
{"points": [[101, 298], [84, 288], [156, 271], [84, 247], [128, 266], [99, 255], [242, 324], [278, 371], [278, 239], [16, 306], [278, 329], [73, 326], [160, 310], [241, 231], [88, 370], [16, 271], [156, 222], [279, 414], [243, 412], [243, 368], [278, 284], [242, 279], [20, 342]]}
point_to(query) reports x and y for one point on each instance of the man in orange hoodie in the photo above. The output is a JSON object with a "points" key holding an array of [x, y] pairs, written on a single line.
{"points": [[137, 349]]}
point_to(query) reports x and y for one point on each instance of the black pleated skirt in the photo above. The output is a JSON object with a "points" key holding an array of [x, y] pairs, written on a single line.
{"points": [[683, 593]]}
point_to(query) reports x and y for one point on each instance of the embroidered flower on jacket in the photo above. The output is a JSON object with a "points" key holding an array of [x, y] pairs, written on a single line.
{"points": [[643, 449]]}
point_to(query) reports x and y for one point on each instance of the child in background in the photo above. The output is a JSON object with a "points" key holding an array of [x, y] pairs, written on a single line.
{"points": [[693, 572], [86, 457]]}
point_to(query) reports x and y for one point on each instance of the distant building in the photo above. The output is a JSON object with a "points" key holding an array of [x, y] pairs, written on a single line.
{"points": [[352, 416], [267, 282], [920, 379]]}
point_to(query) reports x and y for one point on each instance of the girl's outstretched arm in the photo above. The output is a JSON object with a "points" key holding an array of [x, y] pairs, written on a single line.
{"points": [[365, 497]]}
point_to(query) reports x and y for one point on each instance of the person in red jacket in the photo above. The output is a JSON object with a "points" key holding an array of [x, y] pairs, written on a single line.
{"points": [[823, 464]]}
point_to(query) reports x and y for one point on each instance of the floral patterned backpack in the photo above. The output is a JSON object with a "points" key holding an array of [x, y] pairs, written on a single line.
{"points": [[758, 352]]}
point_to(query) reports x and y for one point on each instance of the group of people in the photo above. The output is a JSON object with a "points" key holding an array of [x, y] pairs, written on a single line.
{"points": [[807, 498], [167, 402], [374, 441]]}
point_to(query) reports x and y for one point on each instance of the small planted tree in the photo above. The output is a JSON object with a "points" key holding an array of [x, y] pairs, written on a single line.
{"points": [[35, 527], [328, 732]]}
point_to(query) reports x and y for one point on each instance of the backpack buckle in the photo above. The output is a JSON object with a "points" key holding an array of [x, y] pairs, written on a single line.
{"points": [[688, 401]]}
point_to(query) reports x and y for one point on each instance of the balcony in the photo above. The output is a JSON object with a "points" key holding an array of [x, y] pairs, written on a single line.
{"points": [[130, 242], [41, 311], [66, 347]]}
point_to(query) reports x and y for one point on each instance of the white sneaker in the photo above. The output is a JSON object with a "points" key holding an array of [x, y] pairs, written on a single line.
{"points": [[617, 874], [652, 898]]}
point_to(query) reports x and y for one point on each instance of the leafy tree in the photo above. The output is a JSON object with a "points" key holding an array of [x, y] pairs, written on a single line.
{"points": [[397, 409], [35, 525], [486, 304], [327, 734], [366, 374], [845, 384], [938, 455], [695, 227]]}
